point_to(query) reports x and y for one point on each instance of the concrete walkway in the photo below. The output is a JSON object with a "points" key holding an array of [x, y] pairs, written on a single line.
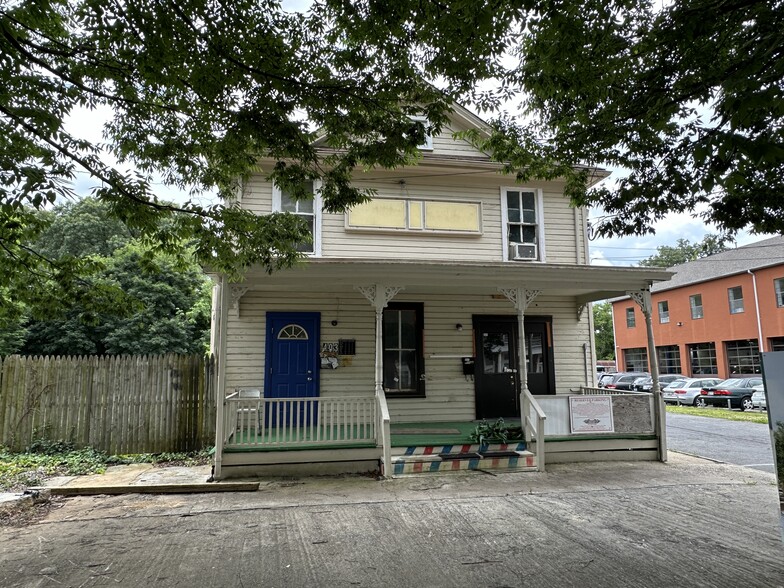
{"points": [[687, 523]]}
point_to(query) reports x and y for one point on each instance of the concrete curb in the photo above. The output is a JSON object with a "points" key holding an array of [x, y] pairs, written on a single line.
{"points": [[205, 488]]}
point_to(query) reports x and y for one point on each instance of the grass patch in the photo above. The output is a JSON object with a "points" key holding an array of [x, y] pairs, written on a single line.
{"points": [[749, 416], [46, 459]]}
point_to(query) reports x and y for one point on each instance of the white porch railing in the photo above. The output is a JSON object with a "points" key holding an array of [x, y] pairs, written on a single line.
{"points": [[533, 425], [294, 422], [593, 391]]}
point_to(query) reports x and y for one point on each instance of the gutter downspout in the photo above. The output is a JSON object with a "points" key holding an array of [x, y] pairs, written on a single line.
{"points": [[756, 308]]}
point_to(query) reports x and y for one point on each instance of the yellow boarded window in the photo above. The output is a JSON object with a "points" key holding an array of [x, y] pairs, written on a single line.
{"points": [[417, 215], [379, 213], [452, 216]]}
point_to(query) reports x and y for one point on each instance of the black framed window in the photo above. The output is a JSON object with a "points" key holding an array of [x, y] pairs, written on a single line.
{"points": [[702, 357], [669, 357], [743, 357], [636, 359], [776, 343], [404, 360]]}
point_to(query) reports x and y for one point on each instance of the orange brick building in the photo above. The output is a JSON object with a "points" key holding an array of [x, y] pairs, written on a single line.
{"points": [[714, 316]]}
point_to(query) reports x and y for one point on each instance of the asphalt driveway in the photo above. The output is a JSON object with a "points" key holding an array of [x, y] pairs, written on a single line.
{"points": [[737, 442]]}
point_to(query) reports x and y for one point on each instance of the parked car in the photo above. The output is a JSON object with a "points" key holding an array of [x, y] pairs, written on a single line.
{"points": [[758, 398], [620, 380], [646, 384], [687, 390], [733, 392]]}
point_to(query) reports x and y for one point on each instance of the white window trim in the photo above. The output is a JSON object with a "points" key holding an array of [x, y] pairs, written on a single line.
{"points": [[541, 250], [317, 213], [428, 144]]}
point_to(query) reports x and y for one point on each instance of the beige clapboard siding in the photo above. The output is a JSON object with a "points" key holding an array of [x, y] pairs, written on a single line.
{"points": [[446, 144], [560, 240], [449, 395], [257, 194]]}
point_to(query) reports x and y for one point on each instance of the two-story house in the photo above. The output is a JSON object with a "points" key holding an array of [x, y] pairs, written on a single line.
{"points": [[713, 317], [455, 295]]}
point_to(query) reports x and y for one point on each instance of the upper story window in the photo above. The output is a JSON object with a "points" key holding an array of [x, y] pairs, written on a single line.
{"points": [[309, 209], [630, 320], [695, 304], [523, 235], [778, 285], [427, 145], [735, 296], [664, 311]]}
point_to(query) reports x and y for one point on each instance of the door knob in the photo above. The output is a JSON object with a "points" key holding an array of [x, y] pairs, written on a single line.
{"points": [[310, 379]]}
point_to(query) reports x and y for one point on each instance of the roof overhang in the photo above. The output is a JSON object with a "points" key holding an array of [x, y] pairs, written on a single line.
{"points": [[584, 283]]}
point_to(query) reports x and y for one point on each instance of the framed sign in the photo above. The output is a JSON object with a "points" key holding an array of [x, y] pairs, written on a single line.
{"points": [[591, 414]]}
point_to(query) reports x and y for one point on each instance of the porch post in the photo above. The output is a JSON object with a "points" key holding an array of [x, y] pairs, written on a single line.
{"points": [[522, 298], [220, 392], [643, 299], [379, 296]]}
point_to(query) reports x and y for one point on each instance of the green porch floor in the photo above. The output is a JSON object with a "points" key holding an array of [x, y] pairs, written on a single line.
{"points": [[403, 435]]}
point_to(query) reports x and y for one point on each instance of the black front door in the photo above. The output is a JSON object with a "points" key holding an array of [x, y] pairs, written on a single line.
{"points": [[495, 380]]}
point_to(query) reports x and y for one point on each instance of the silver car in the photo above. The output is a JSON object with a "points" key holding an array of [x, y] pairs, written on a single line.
{"points": [[687, 390], [758, 399]]}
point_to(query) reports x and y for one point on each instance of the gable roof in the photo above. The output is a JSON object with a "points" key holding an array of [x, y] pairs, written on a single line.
{"points": [[765, 253]]}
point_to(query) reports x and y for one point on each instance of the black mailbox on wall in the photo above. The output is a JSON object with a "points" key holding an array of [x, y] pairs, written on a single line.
{"points": [[468, 366]]}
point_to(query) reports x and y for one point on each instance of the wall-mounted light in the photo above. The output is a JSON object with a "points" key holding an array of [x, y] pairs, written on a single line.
{"points": [[459, 327], [334, 323], [680, 324]]}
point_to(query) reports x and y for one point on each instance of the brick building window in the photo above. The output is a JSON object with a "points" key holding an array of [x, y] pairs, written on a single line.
{"points": [[735, 296], [776, 343], [743, 357], [702, 358], [778, 286], [635, 359], [695, 303], [669, 357], [664, 311], [630, 320]]}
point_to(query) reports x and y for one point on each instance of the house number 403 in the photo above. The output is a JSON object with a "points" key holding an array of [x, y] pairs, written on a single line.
{"points": [[329, 347]]}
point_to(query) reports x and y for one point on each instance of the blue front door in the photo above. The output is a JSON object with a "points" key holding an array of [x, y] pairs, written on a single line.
{"points": [[291, 364]]}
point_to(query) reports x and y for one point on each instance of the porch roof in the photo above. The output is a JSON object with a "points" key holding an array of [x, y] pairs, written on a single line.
{"points": [[585, 283]]}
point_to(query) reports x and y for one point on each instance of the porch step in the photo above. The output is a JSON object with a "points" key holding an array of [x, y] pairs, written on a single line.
{"points": [[423, 460], [465, 448]]}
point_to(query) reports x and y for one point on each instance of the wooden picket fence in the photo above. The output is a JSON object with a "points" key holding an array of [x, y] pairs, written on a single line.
{"points": [[117, 404]]}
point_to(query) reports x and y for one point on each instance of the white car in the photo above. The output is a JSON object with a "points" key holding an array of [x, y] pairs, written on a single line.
{"points": [[687, 390], [758, 399]]}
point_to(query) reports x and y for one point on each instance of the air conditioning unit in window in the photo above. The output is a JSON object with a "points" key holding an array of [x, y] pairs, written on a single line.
{"points": [[522, 251]]}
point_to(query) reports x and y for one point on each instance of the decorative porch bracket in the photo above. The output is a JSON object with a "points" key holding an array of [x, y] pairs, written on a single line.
{"points": [[522, 299], [643, 300], [581, 309], [379, 295], [237, 292]]}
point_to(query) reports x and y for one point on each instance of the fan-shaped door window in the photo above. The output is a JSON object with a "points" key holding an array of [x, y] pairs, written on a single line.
{"points": [[293, 332]]}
